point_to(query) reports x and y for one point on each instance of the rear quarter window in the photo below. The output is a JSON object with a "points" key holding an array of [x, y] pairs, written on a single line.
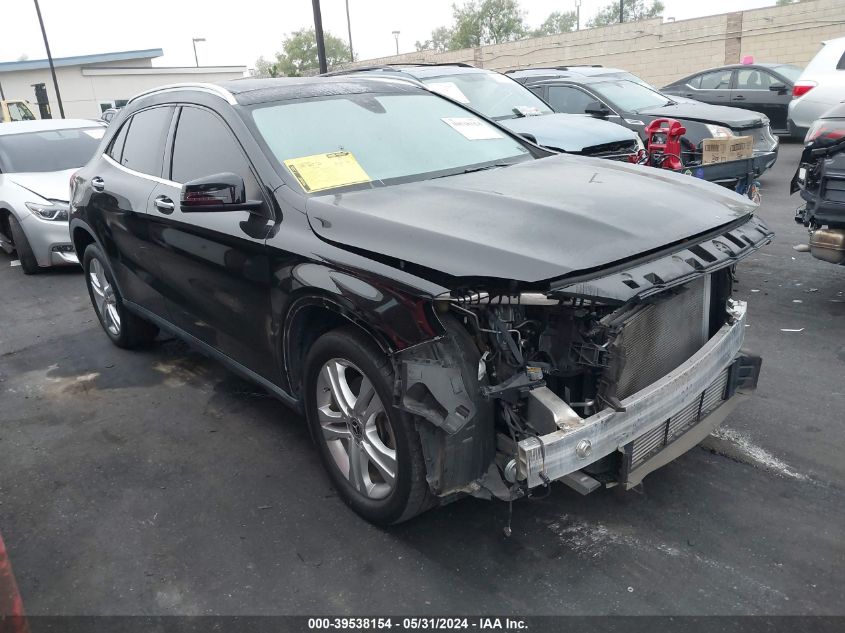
{"points": [[116, 147]]}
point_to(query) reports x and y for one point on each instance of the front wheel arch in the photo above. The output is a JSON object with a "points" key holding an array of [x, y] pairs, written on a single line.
{"points": [[307, 320]]}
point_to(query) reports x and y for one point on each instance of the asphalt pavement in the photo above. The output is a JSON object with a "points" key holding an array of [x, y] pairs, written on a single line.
{"points": [[156, 482]]}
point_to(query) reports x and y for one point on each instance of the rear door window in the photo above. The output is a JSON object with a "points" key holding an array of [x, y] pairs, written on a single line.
{"points": [[143, 149]]}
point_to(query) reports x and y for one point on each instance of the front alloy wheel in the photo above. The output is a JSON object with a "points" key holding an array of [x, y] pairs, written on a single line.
{"points": [[356, 428], [371, 449]]}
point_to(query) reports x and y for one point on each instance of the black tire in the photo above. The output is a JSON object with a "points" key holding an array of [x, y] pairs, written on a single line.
{"points": [[410, 493], [132, 331], [29, 264]]}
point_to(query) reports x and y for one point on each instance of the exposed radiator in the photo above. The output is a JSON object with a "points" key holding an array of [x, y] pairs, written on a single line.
{"points": [[661, 336]]}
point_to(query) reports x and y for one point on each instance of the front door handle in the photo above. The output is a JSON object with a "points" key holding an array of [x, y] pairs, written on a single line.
{"points": [[98, 184], [164, 204]]}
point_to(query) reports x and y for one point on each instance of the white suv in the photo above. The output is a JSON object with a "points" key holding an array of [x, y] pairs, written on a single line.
{"points": [[820, 87]]}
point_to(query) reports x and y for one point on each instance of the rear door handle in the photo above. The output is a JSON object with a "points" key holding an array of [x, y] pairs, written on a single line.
{"points": [[98, 184], [164, 204], [739, 98]]}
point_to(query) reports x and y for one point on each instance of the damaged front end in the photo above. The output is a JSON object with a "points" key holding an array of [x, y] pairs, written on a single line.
{"points": [[592, 382]]}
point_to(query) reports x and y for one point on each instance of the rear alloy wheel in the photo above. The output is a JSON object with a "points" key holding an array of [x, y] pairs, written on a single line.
{"points": [[370, 449], [125, 329], [105, 301]]}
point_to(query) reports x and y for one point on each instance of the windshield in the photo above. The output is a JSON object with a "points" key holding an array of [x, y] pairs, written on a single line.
{"points": [[493, 95], [49, 150], [789, 71], [370, 139], [629, 96]]}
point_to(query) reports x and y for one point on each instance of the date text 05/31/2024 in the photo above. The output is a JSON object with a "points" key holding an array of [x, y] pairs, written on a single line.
{"points": [[413, 624]]}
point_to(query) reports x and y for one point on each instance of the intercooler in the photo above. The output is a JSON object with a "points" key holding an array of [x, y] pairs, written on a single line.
{"points": [[662, 335], [655, 440]]}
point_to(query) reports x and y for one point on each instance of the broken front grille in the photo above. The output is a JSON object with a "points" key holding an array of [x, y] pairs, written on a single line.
{"points": [[651, 443], [662, 335]]}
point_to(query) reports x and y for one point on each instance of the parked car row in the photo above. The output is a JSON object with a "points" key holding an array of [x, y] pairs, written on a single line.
{"points": [[465, 292]]}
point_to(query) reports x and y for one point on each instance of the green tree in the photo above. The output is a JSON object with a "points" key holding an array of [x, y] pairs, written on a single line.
{"points": [[557, 22], [634, 10], [441, 37], [478, 22], [487, 22], [264, 68], [299, 55]]}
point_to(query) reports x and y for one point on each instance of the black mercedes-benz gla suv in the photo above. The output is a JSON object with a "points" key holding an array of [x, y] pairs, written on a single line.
{"points": [[455, 310]]}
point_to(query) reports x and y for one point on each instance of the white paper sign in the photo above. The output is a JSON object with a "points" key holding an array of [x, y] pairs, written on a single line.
{"points": [[528, 110], [472, 128], [98, 133], [449, 89]]}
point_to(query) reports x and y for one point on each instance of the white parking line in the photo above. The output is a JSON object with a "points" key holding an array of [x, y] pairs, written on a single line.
{"points": [[15, 262]]}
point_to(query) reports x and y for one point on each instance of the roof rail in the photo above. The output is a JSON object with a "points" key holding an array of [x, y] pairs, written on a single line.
{"points": [[394, 67], [198, 86], [556, 67]]}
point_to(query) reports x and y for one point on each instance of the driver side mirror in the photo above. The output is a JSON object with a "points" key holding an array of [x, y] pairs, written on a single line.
{"points": [[597, 108], [218, 192], [778, 88]]}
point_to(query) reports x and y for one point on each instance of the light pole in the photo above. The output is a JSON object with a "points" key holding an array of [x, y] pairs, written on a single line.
{"points": [[396, 37], [577, 15], [194, 42], [318, 33], [349, 29], [50, 60]]}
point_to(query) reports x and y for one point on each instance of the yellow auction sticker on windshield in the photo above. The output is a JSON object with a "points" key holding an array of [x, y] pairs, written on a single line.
{"points": [[327, 171]]}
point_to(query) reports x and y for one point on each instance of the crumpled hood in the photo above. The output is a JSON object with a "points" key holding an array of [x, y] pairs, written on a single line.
{"points": [[52, 185], [735, 118], [530, 222], [569, 132]]}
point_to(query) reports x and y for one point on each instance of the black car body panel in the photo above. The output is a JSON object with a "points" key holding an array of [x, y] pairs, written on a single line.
{"points": [[469, 226], [437, 273], [820, 179]]}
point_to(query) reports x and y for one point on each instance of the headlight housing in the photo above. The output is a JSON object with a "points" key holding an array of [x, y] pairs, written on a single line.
{"points": [[54, 211], [719, 131]]}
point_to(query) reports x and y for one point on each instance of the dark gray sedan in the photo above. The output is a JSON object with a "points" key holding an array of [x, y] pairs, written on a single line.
{"points": [[765, 88]]}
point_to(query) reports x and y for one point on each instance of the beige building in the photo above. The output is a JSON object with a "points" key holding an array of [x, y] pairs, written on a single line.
{"points": [[661, 52], [91, 83]]}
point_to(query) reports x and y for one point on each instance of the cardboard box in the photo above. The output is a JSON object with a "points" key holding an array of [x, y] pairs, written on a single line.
{"points": [[721, 150]]}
